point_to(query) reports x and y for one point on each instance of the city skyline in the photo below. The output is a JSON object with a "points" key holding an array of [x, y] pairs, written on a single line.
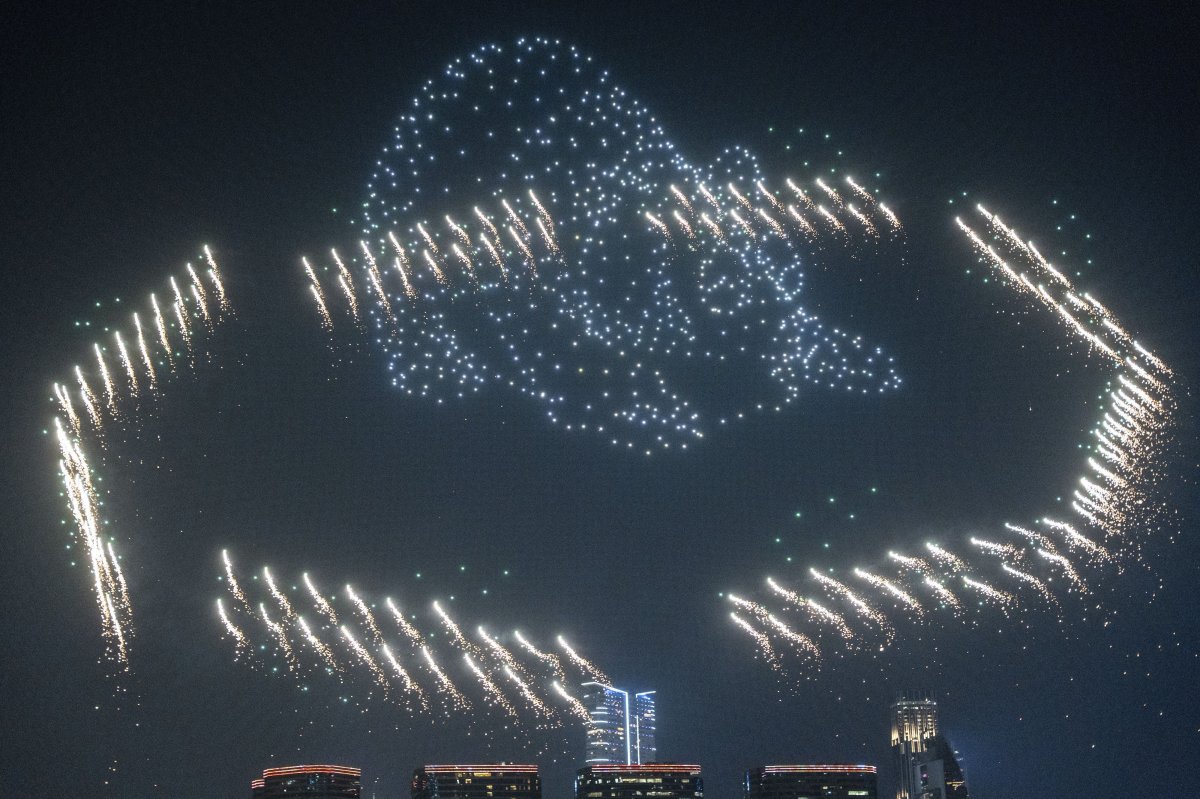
{"points": [[379, 376]]}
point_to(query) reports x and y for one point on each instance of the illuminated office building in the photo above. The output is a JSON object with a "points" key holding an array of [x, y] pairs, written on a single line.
{"points": [[490, 781], [938, 773], [620, 733], [914, 722], [823, 781], [644, 749], [308, 782], [646, 781]]}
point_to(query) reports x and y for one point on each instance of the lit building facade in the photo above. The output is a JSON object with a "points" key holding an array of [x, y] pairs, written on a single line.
{"points": [[646, 781], [308, 782], [489, 781], [621, 732], [643, 729], [817, 781], [938, 772], [914, 722]]}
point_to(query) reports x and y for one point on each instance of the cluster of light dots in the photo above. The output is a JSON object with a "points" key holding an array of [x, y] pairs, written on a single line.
{"points": [[138, 359], [1034, 563], [576, 257], [380, 651]]}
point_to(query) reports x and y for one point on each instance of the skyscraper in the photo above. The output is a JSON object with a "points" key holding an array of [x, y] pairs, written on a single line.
{"points": [[619, 734], [645, 748], [491, 781], [914, 720], [647, 781], [927, 766], [308, 782], [822, 781], [938, 773]]}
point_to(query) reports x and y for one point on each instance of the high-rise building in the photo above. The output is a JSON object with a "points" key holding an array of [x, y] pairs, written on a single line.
{"points": [[820, 781], [927, 766], [645, 781], [618, 733], [308, 782], [914, 721], [490, 781], [642, 730], [938, 773]]}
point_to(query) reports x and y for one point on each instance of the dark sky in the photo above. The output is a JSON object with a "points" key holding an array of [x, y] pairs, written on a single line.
{"points": [[132, 136]]}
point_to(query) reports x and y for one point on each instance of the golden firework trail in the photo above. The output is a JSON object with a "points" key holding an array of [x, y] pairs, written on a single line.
{"points": [[988, 591], [576, 706], [444, 684], [456, 633], [405, 626], [361, 652], [214, 274], [429, 242], [1067, 567], [834, 197], [232, 582], [64, 400], [524, 248], [771, 198], [714, 227], [491, 248], [534, 701], [946, 557], [347, 283], [161, 324], [859, 190], [467, 263], [683, 200], [548, 237], [739, 197], [234, 631], [198, 293], [771, 223], [401, 263], [123, 352], [659, 225], [893, 589], [1037, 584], [708, 195], [516, 220], [280, 634], [437, 270], [367, 615], [814, 609], [487, 223], [281, 598], [685, 225], [801, 195], [121, 585], [181, 318], [742, 223], [319, 601], [799, 641], [147, 361], [580, 661], [410, 685], [1077, 538], [862, 219], [944, 593], [376, 280], [489, 688], [319, 646], [458, 231], [326, 319], [110, 394], [854, 599], [760, 638], [541, 209], [549, 658], [803, 222]]}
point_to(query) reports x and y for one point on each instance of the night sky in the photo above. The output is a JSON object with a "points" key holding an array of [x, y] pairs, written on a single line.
{"points": [[134, 136]]}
